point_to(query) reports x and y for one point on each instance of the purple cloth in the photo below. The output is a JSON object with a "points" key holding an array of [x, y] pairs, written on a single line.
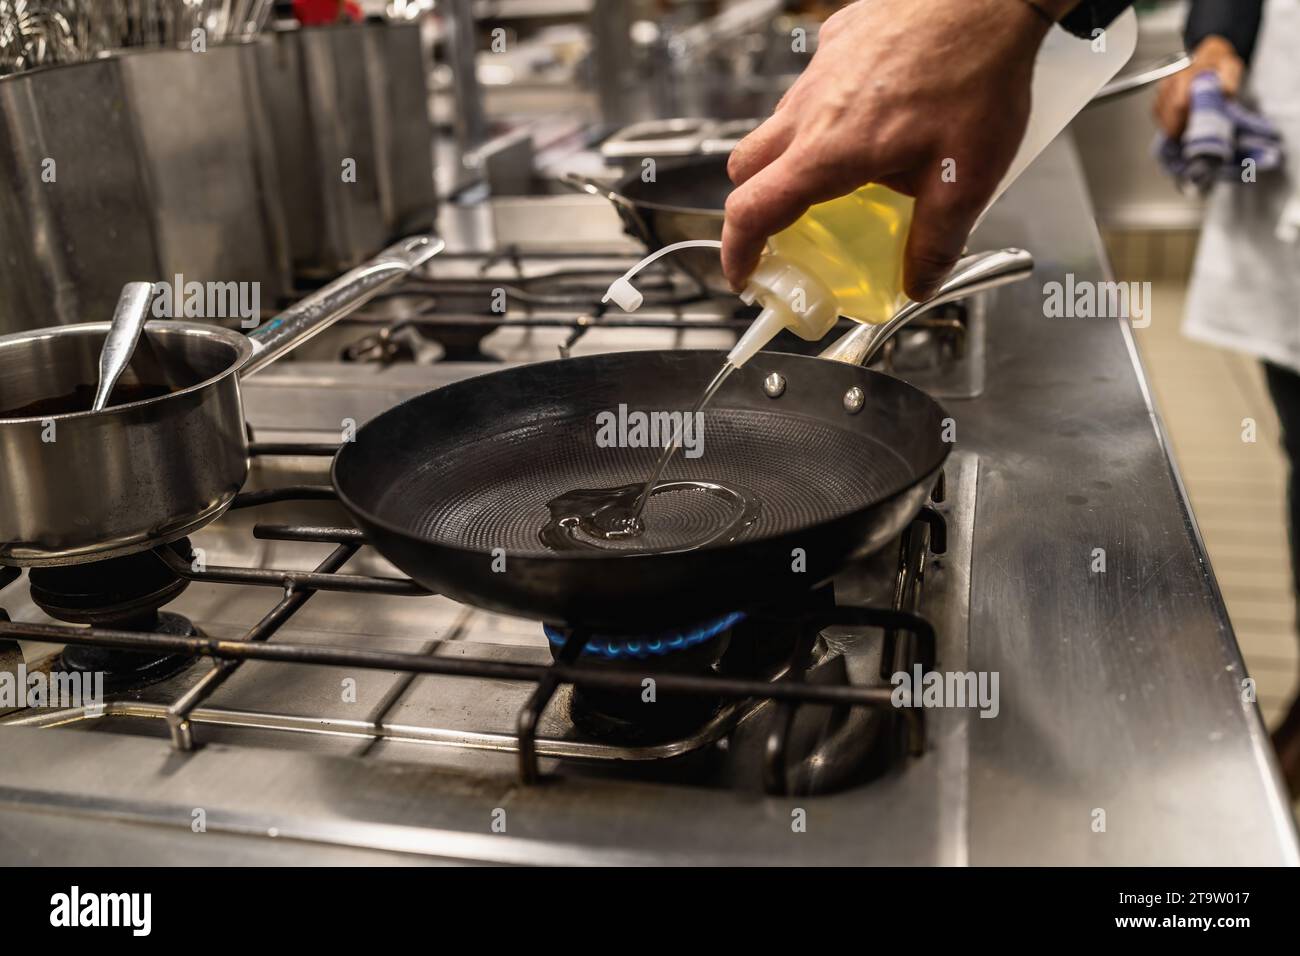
{"points": [[1221, 135]]}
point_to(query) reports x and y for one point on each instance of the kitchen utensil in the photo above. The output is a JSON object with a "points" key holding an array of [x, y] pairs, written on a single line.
{"points": [[36, 33], [119, 344], [81, 486], [453, 486]]}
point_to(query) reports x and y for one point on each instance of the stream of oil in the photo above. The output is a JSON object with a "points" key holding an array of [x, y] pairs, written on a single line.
{"points": [[614, 514]]}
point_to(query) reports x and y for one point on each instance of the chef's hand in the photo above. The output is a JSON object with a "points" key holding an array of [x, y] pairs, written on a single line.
{"points": [[1174, 95], [896, 88]]}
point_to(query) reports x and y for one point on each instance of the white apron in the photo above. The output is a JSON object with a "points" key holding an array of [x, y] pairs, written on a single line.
{"points": [[1245, 288]]}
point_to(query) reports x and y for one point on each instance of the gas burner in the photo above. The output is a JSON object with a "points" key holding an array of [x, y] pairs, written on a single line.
{"points": [[119, 590], [128, 670], [794, 694], [626, 716], [124, 593], [662, 644], [734, 645]]}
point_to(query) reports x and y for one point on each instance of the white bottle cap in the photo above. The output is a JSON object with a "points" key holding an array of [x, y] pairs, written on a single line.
{"points": [[624, 294]]}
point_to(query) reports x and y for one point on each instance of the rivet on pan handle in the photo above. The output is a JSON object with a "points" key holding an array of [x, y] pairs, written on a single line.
{"points": [[341, 297], [984, 270]]}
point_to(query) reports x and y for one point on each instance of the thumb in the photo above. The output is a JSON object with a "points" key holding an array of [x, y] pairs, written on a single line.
{"points": [[1172, 103], [942, 219], [1230, 71]]}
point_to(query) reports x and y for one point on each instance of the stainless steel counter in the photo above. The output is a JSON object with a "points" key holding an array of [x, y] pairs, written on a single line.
{"points": [[1119, 691]]}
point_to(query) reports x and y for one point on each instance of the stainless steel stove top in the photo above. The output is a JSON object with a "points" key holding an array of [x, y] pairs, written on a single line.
{"points": [[465, 728], [1100, 707]]}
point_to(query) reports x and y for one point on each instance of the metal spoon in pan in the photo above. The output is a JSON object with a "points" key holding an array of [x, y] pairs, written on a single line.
{"points": [[128, 319]]}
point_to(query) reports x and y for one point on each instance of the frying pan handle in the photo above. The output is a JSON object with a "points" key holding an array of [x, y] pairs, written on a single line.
{"points": [[341, 297], [984, 270]]}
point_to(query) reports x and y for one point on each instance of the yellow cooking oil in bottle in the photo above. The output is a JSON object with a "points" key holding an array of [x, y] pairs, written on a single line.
{"points": [[854, 245], [840, 258]]}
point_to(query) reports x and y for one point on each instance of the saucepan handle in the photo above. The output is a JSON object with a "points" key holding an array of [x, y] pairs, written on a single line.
{"points": [[341, 297], [984, 270]]}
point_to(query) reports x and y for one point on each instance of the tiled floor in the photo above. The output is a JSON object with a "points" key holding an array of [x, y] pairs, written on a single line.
{"points": [[1236, 488]]}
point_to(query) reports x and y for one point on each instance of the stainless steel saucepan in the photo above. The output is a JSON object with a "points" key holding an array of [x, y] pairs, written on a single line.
{"points": [[170, 456]]}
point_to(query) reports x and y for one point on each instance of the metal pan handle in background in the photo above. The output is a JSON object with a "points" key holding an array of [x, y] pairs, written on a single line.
{"points": [[626, 208], [584, 184], [341, 297], [977, 273]]}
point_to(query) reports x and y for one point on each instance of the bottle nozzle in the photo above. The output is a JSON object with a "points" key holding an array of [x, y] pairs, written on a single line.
{"points": [[761, 331]]}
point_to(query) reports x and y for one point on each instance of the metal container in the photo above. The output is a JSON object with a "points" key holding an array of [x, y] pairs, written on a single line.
{"points": [[82, 486], [396, 69], [212, 187], [143, 165], [353, 142], [75, 220]]}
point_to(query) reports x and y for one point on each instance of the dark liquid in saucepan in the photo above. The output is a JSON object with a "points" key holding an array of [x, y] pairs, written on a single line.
{"points": [[81, 398]]}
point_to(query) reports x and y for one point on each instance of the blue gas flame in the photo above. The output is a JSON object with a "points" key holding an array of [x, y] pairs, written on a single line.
{"points": [[657, 645]]}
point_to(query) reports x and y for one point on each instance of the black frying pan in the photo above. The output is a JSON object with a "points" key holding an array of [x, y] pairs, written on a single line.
{"points": [[448, 484], [442, 480]]}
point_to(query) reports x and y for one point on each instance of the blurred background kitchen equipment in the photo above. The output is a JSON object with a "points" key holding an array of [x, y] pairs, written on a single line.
{"points": [[148, 163], [351, 138], [36, 33], [276, 158], [684, 201]]}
